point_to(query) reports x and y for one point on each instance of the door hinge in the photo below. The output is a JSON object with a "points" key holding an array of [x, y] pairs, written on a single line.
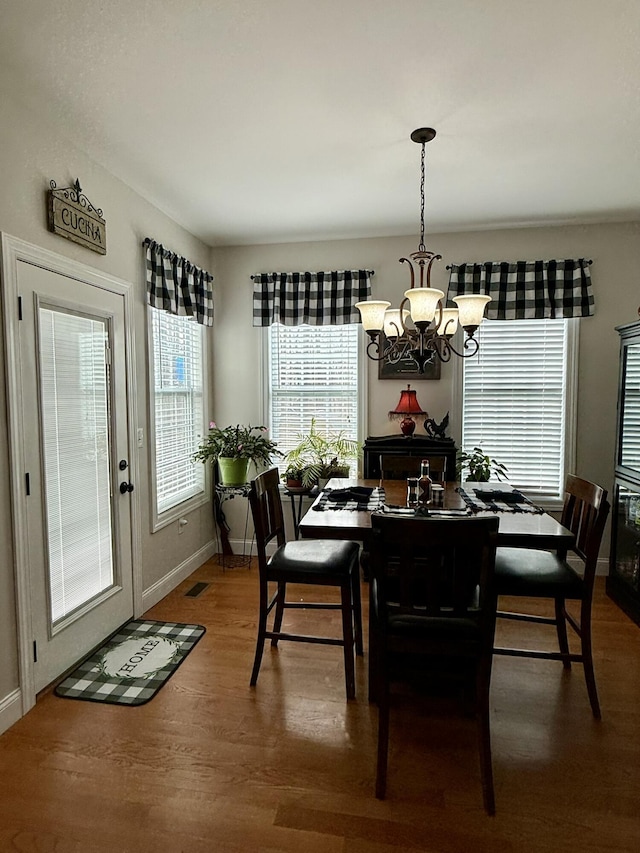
{"points": [[27, 480], [35, 652], [19, 307]]}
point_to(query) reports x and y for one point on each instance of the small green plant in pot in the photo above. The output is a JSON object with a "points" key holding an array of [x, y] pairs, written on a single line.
{"points": [[292, 476], [479, 466], [234, 448], [322, 455]]}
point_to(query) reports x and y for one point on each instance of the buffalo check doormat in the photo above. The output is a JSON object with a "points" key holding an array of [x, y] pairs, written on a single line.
{"points": [[133, 664]]}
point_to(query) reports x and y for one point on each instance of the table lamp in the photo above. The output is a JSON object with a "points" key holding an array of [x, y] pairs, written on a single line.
{"points": [[408, 405]]}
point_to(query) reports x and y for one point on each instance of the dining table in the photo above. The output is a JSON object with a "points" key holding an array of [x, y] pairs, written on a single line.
{"points": [[517, 528], [521, 525]]}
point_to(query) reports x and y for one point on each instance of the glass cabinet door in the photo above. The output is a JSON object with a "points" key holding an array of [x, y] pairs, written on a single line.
{"points": [[627, 536], [629, 439]]}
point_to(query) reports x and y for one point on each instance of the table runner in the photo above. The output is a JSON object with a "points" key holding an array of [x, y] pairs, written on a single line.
{"points": [[357, 499], [497, 501]]}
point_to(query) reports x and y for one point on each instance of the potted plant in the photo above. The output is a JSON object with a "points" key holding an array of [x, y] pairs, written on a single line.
{"points": [[292, 476], [233, 448], [320, 456], [479, 466]]}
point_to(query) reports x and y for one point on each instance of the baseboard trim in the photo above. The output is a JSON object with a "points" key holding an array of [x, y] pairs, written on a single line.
{"points": [[10, 709], [170, 581]]}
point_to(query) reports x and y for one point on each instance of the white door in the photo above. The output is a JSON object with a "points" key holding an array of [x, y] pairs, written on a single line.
{"points": [[75, 437]]}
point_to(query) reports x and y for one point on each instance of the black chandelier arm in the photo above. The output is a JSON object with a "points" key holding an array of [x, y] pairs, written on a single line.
{"points": [[376, 353], [413, 276], [430, 264], [470, 344]]}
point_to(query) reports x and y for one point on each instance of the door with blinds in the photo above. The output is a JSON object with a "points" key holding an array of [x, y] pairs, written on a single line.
{"points": [[74, 417]]}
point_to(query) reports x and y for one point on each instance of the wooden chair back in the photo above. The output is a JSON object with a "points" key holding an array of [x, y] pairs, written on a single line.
{"points": [[266, 510], [434, 568], [585, 513]]}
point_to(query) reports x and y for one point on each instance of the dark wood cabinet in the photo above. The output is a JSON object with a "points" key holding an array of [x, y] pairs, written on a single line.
{"points": [[408, 445], [623, 582]]}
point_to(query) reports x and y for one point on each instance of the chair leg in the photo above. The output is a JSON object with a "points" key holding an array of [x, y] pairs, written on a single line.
{"points": [[587, 659], [262, 629], [484, 736], [373, 647], [277, 622], [561, 628], [347, 635], [383, 737], [357, 608]]}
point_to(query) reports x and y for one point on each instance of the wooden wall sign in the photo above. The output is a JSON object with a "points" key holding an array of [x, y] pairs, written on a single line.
{"points": [[72, 215]]}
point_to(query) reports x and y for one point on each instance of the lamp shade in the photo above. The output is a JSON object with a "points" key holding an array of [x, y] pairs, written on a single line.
{"points": [[424, 302], [471, 308], [408, 404], [449, 322], [372, 314], [392, 323]]}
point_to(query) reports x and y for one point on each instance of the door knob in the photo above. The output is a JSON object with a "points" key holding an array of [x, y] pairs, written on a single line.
{"points": [[126, 487]]}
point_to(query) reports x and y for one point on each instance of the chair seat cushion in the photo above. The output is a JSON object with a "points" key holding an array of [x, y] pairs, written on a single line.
{"points": [[315, 557], [451, 636], [527, 572]]}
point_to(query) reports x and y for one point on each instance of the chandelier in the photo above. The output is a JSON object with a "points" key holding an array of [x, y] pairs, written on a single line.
{"points": [[422, 327]]}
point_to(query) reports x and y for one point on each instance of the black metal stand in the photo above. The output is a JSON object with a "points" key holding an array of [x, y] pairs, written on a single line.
{"points": [[226, 558], [296, 511]]}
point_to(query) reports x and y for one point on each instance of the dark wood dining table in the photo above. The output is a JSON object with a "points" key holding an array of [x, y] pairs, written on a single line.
{"points": [[517, 529]]}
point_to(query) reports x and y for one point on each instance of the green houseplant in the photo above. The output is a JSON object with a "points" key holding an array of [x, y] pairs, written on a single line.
{"points": [[321, 455], [479, 466], [233, 448]]}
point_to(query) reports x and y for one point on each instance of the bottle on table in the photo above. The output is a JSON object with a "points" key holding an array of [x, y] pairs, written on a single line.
{"points": [[424, 484]]}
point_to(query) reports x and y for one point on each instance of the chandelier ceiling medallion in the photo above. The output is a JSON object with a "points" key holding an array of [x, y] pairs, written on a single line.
{"points": [[422, 327]]}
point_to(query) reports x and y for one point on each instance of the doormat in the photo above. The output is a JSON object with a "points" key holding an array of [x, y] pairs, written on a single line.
{"points": [[133, 664]]}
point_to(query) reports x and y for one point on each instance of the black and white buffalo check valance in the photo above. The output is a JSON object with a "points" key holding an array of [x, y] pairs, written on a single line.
{"points": [[527, 290], [176, 285], [311, 298]]}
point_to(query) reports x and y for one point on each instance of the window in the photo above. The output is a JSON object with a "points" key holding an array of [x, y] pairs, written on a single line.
{"points": [[313, 372], [177, 407], [518, 401]]}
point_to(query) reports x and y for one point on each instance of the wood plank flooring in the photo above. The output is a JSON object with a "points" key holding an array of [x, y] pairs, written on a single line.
{"points": [[211, 764]]}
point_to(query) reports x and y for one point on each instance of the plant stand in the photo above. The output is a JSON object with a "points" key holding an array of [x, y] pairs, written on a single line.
{"points": [[226, 558], [293, 492]]}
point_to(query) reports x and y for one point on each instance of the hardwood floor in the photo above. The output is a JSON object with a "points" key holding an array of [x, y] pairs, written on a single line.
{"points": [[211, 764]]}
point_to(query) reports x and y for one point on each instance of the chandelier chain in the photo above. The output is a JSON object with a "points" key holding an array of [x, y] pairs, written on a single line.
{"points": [[421, 246]]}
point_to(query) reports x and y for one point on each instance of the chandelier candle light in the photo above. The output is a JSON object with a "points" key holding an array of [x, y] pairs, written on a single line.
{"points": [[408, 405], [422, 326]]}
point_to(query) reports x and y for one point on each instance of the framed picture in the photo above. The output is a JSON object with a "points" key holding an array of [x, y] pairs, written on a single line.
{"points": [[406, 367]]}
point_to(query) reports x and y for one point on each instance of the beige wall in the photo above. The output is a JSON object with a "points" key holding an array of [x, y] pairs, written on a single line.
{"points": [[31, 155], [614, 249]]}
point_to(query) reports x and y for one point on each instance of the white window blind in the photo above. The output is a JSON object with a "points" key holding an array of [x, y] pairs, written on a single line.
{"points": [[630, 449], [178, 407], [75, 433], [515, 401], [313, 374]]}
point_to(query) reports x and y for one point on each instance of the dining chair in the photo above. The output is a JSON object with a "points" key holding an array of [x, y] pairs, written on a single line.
{"points": [[316, 562], [400, 467], [529, 573], [433, 603]]}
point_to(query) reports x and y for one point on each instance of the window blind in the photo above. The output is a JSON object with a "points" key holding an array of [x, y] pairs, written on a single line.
{"points": [[630, 449], [313, 374], [75, 431], [178, 407], [515, 403]]}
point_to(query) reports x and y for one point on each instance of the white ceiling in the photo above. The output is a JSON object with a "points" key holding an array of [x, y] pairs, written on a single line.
{"points": [[260, 121]]}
